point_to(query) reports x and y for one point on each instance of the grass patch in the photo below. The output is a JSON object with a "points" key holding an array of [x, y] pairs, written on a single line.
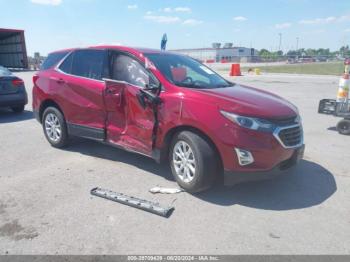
{"points": [[327, 68]]}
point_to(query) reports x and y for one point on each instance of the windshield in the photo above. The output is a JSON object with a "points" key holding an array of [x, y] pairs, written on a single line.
{"points": [[4, 71], [187, 72]]}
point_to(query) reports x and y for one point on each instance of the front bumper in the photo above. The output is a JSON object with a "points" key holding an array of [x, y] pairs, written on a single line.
{"points": [[16, 99], [232, 178]]}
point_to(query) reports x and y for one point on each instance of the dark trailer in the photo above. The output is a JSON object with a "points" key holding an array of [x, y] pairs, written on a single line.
{"points": [[13, 53]]}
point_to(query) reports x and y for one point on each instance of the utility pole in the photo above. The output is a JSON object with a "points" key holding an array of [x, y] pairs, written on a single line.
{"points": [[280, 45], [297, 46]]}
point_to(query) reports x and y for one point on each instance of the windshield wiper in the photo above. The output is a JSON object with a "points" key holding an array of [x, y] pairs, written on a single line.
{"points": [[224, 85], [198, 86], [227, 84], [190, 85]]}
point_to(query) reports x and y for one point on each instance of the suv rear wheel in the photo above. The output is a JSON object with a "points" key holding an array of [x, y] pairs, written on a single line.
{"points": [[55, 128], [193, 162]]}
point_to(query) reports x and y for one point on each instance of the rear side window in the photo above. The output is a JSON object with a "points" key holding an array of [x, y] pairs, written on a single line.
{"points": [[88, 63], [53, 60]]}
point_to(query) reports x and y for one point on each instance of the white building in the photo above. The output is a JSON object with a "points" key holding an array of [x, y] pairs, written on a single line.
{"points": [[228, 53]]}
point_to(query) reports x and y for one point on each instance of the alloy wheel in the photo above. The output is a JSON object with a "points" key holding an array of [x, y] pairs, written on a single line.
{"points": [[53, 127], [184, 161]]}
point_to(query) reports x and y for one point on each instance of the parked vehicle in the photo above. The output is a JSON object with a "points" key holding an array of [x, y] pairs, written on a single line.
{"points": [[306, 59], [12, 91], [168, 107], [322, 59]]}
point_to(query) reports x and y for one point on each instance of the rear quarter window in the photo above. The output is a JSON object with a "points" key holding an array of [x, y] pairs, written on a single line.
{"points": [[53, 60]]}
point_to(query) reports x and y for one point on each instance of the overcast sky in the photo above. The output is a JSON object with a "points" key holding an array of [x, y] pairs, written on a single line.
{"points": [[55, 24]]}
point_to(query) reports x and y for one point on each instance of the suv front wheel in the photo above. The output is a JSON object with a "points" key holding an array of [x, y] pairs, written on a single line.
{"points": [[55, 128], [193, 162]]}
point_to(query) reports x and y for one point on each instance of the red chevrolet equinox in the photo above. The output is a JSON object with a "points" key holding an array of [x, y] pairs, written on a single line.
{"points": [[169, 107]]}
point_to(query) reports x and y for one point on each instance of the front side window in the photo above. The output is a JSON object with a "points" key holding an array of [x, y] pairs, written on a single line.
{"points": [[186, 72], [88, 63], [125, 68]]}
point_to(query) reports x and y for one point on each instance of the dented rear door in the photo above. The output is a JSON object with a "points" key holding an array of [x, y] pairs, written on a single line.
{"points": [[80, 87]]}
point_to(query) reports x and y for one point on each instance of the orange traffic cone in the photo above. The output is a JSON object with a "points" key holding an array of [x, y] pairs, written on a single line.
{"points": [[235, 70], [343, 90]]}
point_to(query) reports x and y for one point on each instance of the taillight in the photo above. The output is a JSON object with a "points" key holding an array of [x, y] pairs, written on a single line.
{"points": [[35, 77], [17, 82]]}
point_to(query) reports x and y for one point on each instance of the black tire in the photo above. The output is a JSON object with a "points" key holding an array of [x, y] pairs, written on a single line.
{"points": [[206, 162], [64, 138], [18, 109], [343, 127]]}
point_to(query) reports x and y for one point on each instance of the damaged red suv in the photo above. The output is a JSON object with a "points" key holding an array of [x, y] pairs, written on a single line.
{"points": [[168, 107]]}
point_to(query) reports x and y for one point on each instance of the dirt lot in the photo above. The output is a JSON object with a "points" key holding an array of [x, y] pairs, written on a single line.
{"points": [[46, 208]]}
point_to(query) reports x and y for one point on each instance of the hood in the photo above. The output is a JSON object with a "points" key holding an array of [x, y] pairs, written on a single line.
{"points": [[248, 101]]}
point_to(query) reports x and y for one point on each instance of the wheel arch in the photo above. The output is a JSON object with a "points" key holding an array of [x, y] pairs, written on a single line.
{"points": [[45, 104], [175, 130]]}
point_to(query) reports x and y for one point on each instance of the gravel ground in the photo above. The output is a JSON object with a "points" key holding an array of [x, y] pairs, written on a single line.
{"points": [[46, 208]]}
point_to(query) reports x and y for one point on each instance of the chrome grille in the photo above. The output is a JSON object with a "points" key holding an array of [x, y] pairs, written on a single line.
{"points": [[290, 137], [286, 121]]}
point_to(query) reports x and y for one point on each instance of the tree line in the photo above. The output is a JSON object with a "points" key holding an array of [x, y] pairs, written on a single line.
{"points": [[344, 52]]}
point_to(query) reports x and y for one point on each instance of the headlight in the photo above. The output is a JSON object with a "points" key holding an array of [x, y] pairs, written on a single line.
{"points": [[250, 122]]}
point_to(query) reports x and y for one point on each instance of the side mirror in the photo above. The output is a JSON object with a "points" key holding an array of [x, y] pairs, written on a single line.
{"points": [[144, 96], [142, 99], [152, 87]]}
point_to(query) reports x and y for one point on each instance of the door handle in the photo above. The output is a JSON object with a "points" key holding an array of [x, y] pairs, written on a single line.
{"points": [[112, 91], [60, 81]]}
